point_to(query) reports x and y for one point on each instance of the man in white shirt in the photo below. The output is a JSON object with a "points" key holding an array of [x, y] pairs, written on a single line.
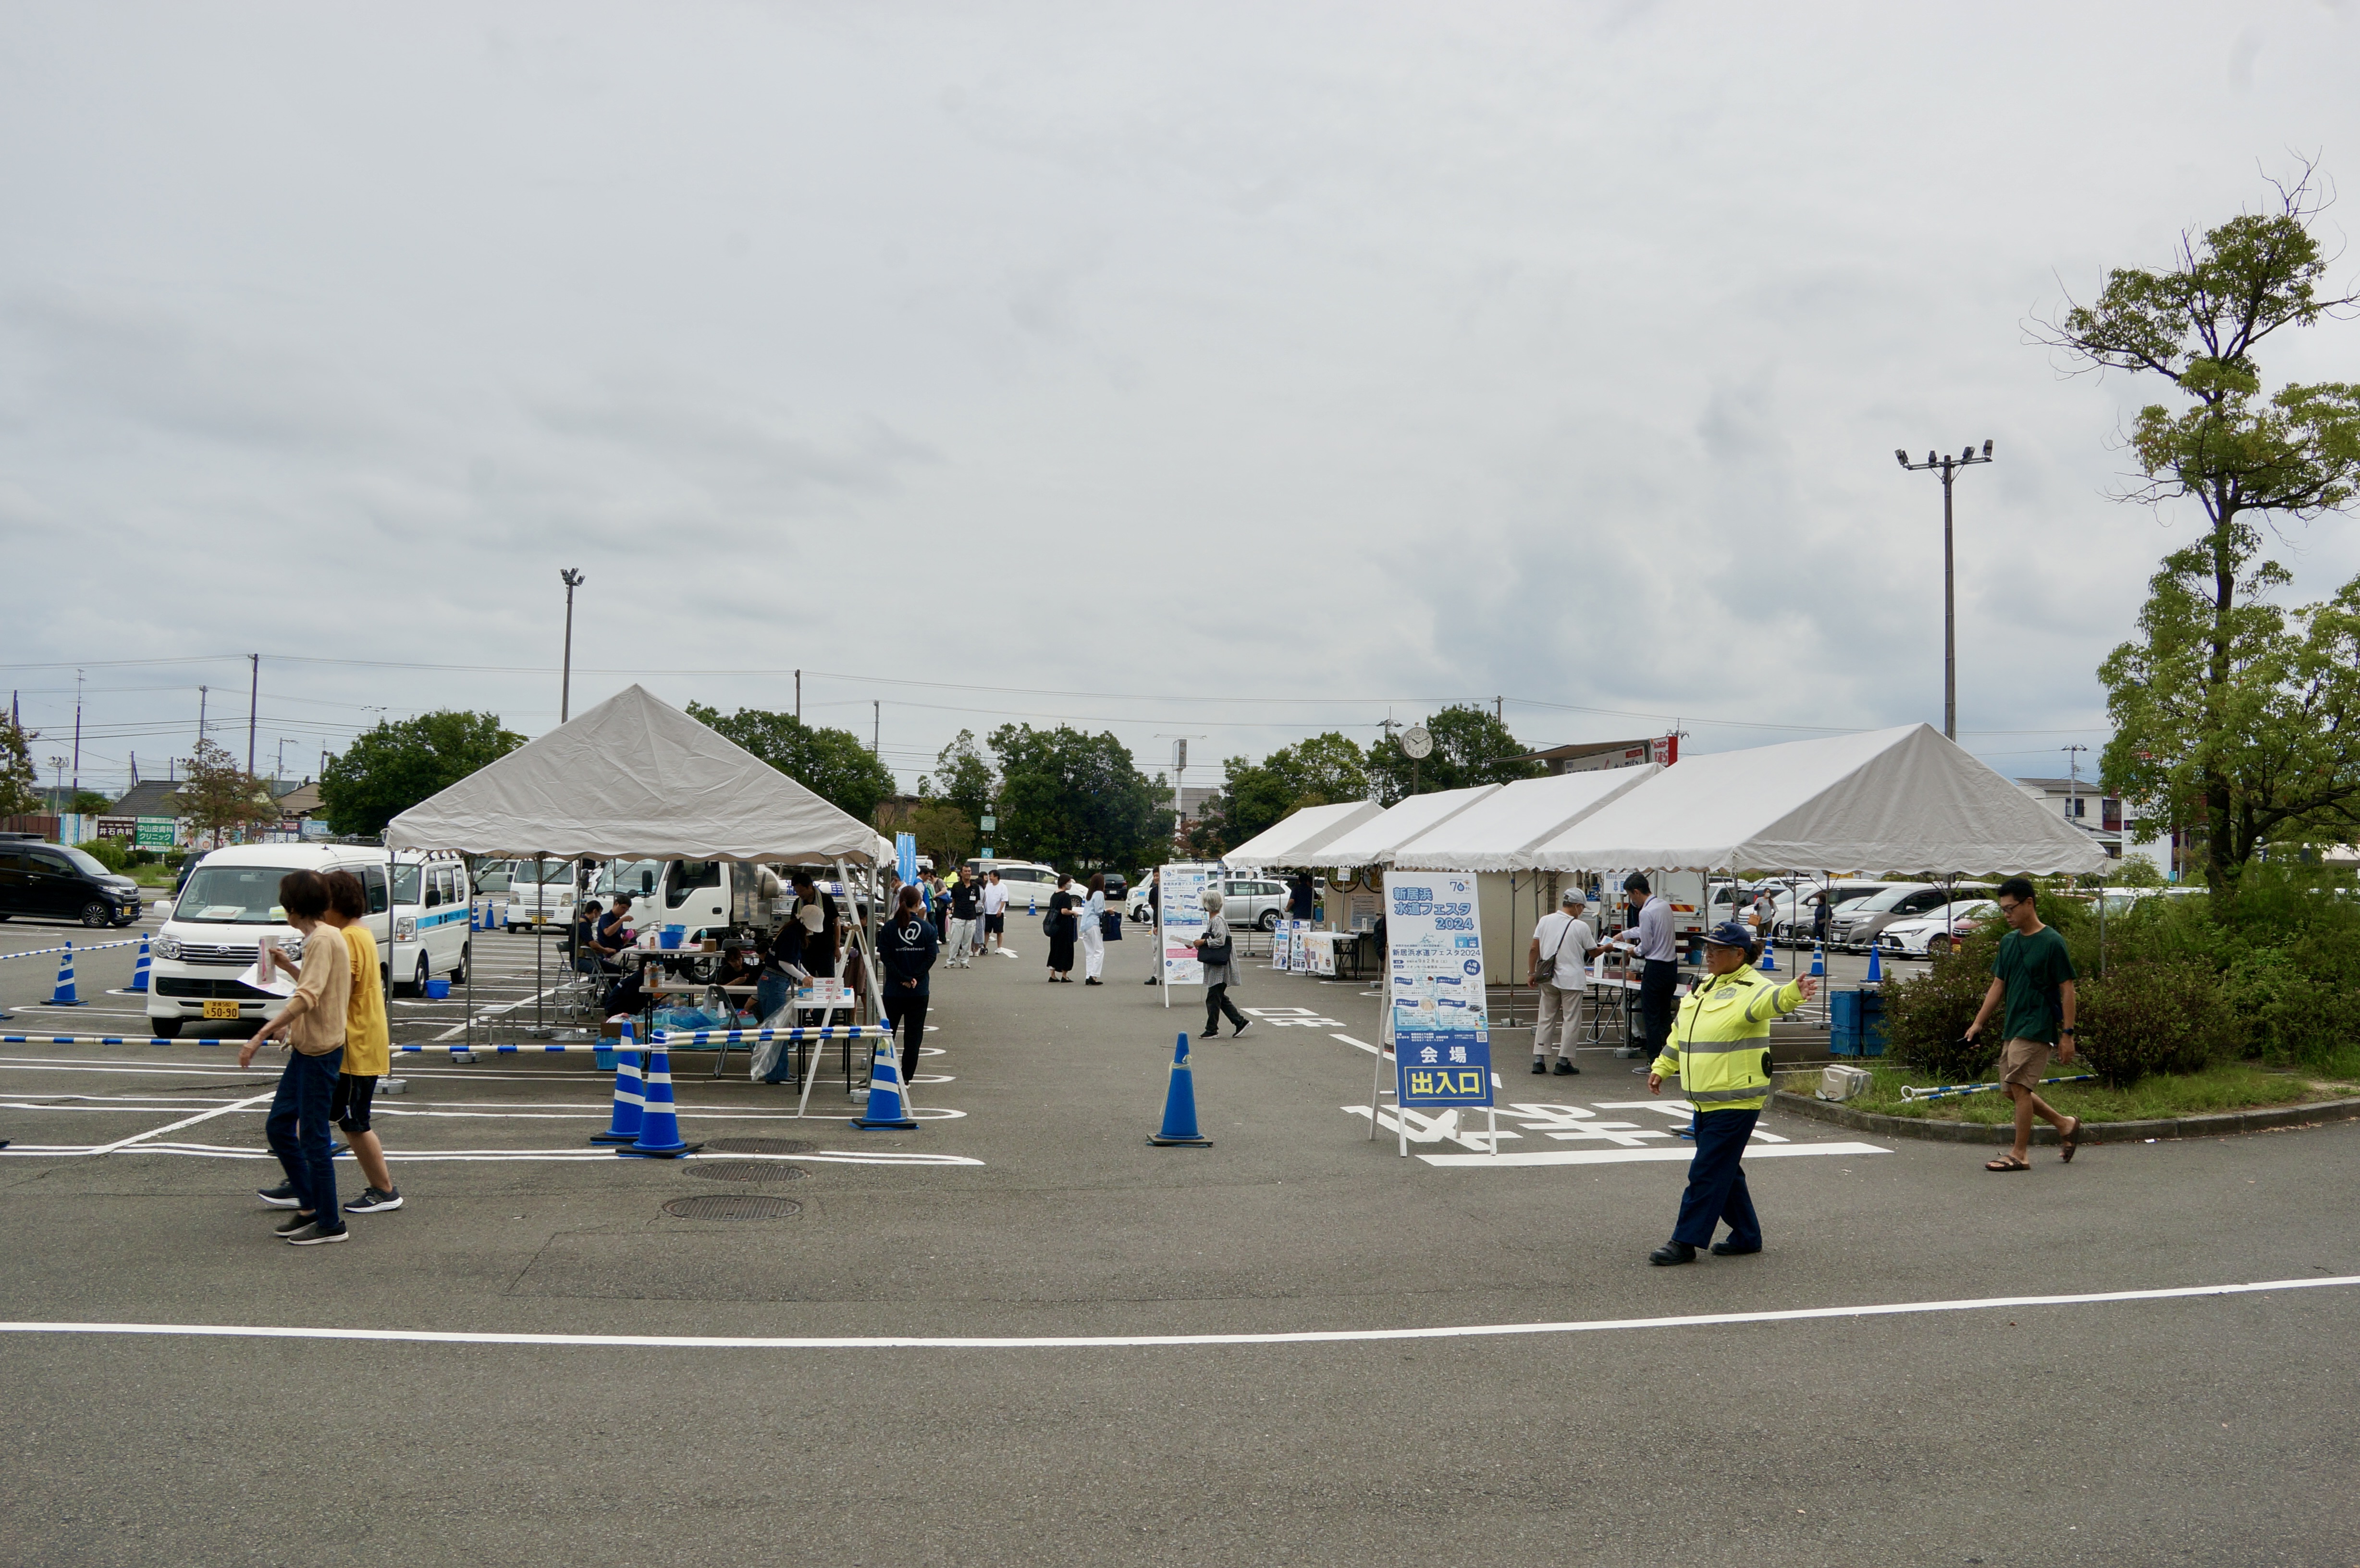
{"points": [[995, 910], [1565, 942]]}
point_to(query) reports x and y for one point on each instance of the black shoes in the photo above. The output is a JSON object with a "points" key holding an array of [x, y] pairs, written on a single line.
{"points": [[372, 1202], [293, 1223], [1672, 1252], [282, 1196], [1566, 1069], [313, 1236], [1239, 1030], [1093, 982], [1538, 1065], [1730, 1250]]}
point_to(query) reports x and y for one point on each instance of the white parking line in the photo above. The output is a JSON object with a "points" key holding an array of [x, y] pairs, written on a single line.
{"points": [[1124, 1342], [191, 1121]]}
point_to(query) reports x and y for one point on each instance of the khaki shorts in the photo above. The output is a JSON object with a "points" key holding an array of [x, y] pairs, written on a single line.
{"points": [[2024, 1061]]}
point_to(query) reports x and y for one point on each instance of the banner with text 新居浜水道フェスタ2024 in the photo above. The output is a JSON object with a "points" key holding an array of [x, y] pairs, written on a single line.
{"points": [[1433, 989]]}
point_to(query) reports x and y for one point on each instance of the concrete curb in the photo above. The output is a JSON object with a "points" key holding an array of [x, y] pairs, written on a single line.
{"points": [[2215, 1125]]}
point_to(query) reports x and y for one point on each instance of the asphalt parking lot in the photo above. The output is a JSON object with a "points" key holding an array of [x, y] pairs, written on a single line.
{"points": [[1028, 1206]]}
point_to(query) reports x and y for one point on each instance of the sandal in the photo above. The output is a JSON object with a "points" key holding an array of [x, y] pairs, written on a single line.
{"points": [[2006, 1162], [2071, 1141]]}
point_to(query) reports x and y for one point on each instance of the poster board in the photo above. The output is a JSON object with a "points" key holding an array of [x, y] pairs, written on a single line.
{"points": [[1180, 921], [1319, 948], [1436, 1014]]}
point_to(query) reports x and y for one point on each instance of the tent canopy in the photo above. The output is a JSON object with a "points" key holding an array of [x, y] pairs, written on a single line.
{"points": [[1902, 798], [634, 778], [1292, 839], [1373, 842], [1499, 832]]}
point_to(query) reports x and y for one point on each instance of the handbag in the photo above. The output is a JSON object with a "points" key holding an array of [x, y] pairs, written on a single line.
{"points": [[1110, 926], [1546, 974], [1049, 924], [1214, 954]]}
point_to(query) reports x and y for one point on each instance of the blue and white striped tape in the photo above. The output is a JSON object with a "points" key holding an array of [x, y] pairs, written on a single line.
{"points": [[91, 947]]}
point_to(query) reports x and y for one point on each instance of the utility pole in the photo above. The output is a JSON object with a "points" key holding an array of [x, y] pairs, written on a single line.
{"points": [[799, 696], [200, 714], [77, 735], [253, 696], [877, 735], [1948, 467], [573, 579], [2072, 780], [1499, 708]]}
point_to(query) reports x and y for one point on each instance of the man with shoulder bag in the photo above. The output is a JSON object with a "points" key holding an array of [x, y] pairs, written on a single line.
{"points": [[1557, 969]]}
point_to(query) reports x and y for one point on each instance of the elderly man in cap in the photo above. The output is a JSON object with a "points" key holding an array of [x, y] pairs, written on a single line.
{"points": [[1719, 1050], [1557, 969]]}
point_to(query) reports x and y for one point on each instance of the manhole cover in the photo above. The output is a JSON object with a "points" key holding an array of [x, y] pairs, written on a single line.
{"points": [[761, 1146], [745, 1170], [723, 1206]]}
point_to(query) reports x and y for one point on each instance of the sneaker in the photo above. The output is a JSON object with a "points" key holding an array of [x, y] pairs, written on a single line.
{"points": [[1539, 1065], [372, 1202], [293, 1223], [1566, 1069], [313, 1236], [1239, 1030], [282, 1196]]}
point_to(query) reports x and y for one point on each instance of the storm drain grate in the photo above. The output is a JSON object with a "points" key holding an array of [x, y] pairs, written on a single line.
{"points": [[744, 1171], [761, 1146], [726, 1206]]}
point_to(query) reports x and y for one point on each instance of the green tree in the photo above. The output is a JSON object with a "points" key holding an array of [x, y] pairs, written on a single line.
{"points": [[20, 783], [1077, 801], [90, 803], [833, 763], [2139, 871], [962, 776], [2247, 461], [1470, 746], [943, 832], [387, 771], [218, 795], [1320, 771]]}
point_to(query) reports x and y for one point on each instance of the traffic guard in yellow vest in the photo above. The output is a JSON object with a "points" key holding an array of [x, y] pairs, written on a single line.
{"points": [[1719, 1052]]}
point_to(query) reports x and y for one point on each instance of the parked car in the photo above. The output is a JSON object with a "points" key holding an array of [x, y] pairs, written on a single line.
{"points": [[541, 893], [493, 875], [1922, 936], [1856, 928], [1797, 909], [1253, 901], [1135, 902], [59, 882], [1029, 883], [1116, 886], [231, 899]]}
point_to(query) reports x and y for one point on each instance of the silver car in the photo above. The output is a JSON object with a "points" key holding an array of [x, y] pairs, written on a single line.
{"points": [[1856, 927], [1253, 901]]}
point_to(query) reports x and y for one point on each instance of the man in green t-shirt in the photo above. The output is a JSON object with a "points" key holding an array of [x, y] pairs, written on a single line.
{"points": [[2033, 976]]}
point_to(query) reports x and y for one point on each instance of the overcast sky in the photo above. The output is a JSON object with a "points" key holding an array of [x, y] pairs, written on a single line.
{"points": [[1235, 372]]}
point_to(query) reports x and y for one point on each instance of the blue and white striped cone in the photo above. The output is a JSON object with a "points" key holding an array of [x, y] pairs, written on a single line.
{"points": [[1180, 1105], [139, 971], [630, 1099], [658, 1124], [1818, 960], [885, 1107], [1769, 955], [63, 997], [1875, 969]]}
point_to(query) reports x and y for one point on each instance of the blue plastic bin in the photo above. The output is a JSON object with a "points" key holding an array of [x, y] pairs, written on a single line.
{"points": [[669, 936], [1858, 1023], [438, 989]]}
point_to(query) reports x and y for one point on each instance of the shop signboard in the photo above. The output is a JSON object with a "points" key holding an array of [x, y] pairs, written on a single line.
{"points": [[1181, 921], [1436, 1019]]}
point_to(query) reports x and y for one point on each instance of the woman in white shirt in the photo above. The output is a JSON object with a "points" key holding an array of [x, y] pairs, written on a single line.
{"points": [[1093, 932]]}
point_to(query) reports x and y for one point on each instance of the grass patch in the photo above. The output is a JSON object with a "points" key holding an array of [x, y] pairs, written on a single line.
{"points": [[2233, 1087], [152, 876]]}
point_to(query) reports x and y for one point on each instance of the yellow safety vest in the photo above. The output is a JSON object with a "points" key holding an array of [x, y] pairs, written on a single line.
{"points": [[1716, 1050]]}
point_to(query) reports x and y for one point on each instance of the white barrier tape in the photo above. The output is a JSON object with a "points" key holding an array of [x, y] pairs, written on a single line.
{"points": [[93, 947], [807, 1031]]}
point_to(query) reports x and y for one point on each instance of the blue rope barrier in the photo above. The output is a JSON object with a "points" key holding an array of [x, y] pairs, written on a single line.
{"points": [[93, 947]]}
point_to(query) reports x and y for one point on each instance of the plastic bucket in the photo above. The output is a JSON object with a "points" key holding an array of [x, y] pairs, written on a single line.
{"points": [[438, 989], [671, 935]]}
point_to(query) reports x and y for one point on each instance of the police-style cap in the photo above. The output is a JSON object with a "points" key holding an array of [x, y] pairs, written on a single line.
{"points": [[1729, 933]]}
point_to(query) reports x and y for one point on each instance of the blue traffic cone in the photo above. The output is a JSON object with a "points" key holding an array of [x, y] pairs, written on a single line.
{"points": [[630, 1099], [1818, 960], [885, 1107], [1875, 969], [1031, 903], [1769, 955], [659, 1125], [139, 971], [63, 997], [1180, 1105]]}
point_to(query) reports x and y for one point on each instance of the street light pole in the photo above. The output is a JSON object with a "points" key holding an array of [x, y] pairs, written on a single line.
{"points": [[1948, 467], [573, 579]]}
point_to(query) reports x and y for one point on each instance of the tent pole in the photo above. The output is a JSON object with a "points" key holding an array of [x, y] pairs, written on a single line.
{"points": [[541, 918]]}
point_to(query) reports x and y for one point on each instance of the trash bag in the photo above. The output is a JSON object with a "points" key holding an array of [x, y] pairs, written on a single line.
{"points": [[766, 1053]]}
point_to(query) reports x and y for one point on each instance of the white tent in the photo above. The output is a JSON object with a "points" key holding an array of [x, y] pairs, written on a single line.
{"points": [[1902, 799], [1500, 831], [1373, 842], [635, 778], [1295, 839]]}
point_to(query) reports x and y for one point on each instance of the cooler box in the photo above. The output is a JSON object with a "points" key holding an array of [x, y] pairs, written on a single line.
{"points": [[1858, 1023]]}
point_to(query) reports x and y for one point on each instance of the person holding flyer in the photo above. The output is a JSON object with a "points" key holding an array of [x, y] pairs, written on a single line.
{"points": [[1557, 969]]}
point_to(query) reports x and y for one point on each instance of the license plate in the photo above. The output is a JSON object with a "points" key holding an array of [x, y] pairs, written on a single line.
{"points": [[220, 1009]]}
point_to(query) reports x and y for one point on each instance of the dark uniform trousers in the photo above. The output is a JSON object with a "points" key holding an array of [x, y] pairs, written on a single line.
{"points": [[1717, 1182], [1658, 979]]}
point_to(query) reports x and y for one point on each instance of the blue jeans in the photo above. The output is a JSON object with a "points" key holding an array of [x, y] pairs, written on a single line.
{"points": [[770, 993], [1717, 1182], [298, 1131]]}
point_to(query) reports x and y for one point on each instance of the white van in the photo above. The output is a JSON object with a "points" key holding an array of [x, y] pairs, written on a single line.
{"points": [[231, 899], [541, 893]]}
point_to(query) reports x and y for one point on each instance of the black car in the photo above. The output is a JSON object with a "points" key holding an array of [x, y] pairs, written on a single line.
{"points": [[59, 882], [1117, 888]]}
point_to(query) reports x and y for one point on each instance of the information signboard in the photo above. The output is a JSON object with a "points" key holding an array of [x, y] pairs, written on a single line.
{"points": [[1436, 991], [1181, 921]]}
